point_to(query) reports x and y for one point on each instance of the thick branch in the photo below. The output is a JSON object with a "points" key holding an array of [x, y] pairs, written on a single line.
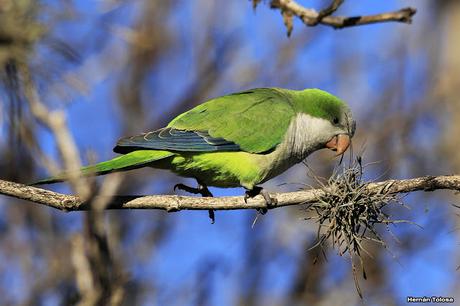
{"points": [[311, 17], [174, 203]]}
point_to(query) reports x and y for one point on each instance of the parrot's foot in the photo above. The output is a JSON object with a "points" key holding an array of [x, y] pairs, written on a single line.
{"points": [[201, 189], [259, 190]]}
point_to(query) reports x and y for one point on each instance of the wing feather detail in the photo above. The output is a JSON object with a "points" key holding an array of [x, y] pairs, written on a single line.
{"points": [[175, 140], [253, 121]]}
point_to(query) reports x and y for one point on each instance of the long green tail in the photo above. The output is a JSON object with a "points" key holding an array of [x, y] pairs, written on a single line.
{"points": [[132, 160]]}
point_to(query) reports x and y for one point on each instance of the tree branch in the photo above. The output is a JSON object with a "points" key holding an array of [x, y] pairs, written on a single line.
{"points": [[172, 203], [311, 17], [327, 11]]}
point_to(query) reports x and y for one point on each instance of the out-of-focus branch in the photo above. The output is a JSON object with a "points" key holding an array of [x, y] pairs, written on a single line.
{"points": [[55, 121], [94, 262], [311, 17], [98, 275], [83, 275], [172, 203]]}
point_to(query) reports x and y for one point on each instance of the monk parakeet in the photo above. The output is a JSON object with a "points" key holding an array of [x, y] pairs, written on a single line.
{"points": [[242, 139]]}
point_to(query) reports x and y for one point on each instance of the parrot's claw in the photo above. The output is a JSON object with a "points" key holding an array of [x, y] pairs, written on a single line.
{"points": [[269, 201], [201, 189], [212, 216]]}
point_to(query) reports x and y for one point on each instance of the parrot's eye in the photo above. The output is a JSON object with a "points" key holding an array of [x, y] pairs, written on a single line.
{"points": [[335, 120]]}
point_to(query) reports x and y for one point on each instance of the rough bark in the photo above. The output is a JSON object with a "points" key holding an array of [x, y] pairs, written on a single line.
{"points": [[172, 203]]}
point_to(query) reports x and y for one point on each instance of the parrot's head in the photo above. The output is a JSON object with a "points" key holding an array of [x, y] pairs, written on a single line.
{"points": [[343, 129], [334, 125]]}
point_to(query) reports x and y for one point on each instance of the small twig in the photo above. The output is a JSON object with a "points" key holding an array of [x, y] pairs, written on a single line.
{"points": [[175, 203], [311, 17]]}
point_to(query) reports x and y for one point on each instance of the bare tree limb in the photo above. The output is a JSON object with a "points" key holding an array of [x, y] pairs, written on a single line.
{"points": [[172, 203], [311, 17]]}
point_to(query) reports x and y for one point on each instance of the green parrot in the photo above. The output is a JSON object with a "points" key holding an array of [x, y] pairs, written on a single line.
{"points": [[239, 140]]}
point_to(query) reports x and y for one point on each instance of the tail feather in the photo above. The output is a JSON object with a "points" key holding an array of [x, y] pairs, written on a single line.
{"points": [[132, 160]]}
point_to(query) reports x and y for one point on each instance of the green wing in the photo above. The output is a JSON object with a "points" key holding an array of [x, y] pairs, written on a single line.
{"points": [[256, 120], [253, 121]]}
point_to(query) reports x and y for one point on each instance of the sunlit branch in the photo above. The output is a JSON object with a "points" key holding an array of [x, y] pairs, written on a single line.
{"points": [[311, 17], [172, 203]]}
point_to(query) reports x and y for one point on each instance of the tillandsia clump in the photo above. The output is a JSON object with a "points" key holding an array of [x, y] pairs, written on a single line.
{"points": [[348, 212]]}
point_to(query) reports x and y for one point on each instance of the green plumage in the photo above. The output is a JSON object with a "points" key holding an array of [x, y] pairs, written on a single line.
{"points": [[132, 160], [241, 139], [237, 118]]}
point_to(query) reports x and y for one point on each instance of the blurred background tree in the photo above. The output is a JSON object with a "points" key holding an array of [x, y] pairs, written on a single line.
{"points": [[119, 67]]}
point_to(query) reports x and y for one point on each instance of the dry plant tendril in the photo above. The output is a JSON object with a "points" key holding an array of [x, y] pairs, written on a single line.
{"points": [[348, 213]]}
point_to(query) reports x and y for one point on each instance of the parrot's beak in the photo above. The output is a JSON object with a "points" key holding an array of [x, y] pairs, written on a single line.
{"points": [[339, 143]]}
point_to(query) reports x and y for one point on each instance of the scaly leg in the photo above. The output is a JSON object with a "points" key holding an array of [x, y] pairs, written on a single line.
{"points": [[256, 190], [201, 189]]}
